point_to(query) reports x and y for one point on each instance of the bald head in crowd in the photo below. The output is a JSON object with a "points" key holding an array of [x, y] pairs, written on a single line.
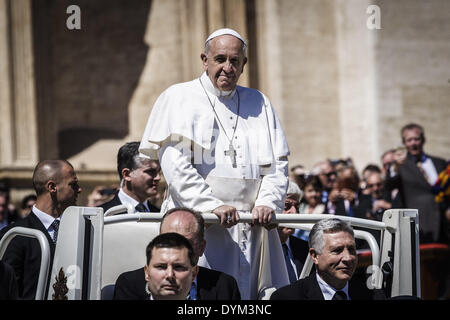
{"points": [[188, 223], [56, 186]]}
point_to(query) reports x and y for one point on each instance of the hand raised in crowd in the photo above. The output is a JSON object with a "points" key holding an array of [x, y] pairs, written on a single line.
{"points": [[228, 215], [400, 155], [347, 194], [381, 204]]}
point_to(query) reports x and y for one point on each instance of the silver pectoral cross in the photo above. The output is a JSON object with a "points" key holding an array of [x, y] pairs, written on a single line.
{"points": [[232, 154]]}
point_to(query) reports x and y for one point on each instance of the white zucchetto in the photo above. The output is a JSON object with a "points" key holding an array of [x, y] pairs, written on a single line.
{"points": [[224, 31]]}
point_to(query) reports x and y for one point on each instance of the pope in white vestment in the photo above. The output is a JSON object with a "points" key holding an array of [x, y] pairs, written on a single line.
{"points": [[220, 144]]}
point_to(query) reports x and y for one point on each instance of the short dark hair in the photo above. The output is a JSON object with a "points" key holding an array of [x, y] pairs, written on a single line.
{"points": [[128, 157], [47, 170], [26, 199], [171, 240], [372, 168], [200, 232], [411, 126], [314, 181]]}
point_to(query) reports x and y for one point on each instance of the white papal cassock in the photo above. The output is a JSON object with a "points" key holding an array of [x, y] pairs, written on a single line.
{"points": [[188, 138]]}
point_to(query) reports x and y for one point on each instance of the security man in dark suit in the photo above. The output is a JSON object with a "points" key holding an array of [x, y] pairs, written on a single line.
{"points": [[333, 251], [139, 179], [8, 282], [56, 186], [208, 285]]}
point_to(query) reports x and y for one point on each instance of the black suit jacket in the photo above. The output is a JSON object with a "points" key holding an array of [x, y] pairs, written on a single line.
{"points": [[299, 249], [24, 256], [8, 283], [211, 285], [416, 194], [308, 289], [116, 201]]}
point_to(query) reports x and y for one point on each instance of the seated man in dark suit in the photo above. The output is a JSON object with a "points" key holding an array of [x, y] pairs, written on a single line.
{"points": [[333, 251], [56, 186], [295, 250], [171, 267], [208, 285], [139, 180], [8, 282]]}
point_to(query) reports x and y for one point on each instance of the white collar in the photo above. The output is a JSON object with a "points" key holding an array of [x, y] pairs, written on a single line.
{"points": [[287, 243], [150, 297], [45, 218], [208, 85], [125, 198], [327, 290]]}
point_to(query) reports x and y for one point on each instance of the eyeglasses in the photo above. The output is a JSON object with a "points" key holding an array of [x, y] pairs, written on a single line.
{"points": [[288, 205], [379, 184], [329, 174]]}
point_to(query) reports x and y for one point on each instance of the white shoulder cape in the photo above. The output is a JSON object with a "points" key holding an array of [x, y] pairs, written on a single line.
{"points": [[184, 111]]}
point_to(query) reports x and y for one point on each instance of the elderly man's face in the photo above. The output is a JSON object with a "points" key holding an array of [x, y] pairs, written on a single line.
{"points": [[291, 205], [327, 176], [225, 62], [375, 185], [337, 262], [169, 274], [387, 160]]}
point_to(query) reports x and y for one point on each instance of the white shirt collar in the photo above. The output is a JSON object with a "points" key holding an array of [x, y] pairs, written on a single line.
{"points": [[430, 170], [206, 81], [327, 290], [287, 243], [45, 218], [124, 198]]}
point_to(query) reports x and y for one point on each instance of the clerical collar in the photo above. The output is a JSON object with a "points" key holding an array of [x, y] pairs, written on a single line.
{"points": [[213, 90]]}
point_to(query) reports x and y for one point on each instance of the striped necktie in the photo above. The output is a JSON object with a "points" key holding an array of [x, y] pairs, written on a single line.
{"points": [[141, 208], [55, 226]]}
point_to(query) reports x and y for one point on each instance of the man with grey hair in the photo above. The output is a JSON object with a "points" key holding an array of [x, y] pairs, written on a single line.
{"points": [[295, 250], [139, 179], [222, 150], [333, 251]]}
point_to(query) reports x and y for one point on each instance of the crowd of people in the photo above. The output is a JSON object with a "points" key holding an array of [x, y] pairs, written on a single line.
{"points": [[226, 153]]}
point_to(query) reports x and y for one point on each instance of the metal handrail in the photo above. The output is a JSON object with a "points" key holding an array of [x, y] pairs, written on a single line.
{"points": [[45, 254], [121, 208], [282, 218]]}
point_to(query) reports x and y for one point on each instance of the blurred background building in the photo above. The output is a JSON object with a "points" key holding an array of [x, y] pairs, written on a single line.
{"points": [[341, 88]]}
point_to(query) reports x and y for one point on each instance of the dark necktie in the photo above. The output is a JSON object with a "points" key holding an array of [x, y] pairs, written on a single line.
{"points": [[291, 272], [55, 226], [339, 295], [141, 208]]}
